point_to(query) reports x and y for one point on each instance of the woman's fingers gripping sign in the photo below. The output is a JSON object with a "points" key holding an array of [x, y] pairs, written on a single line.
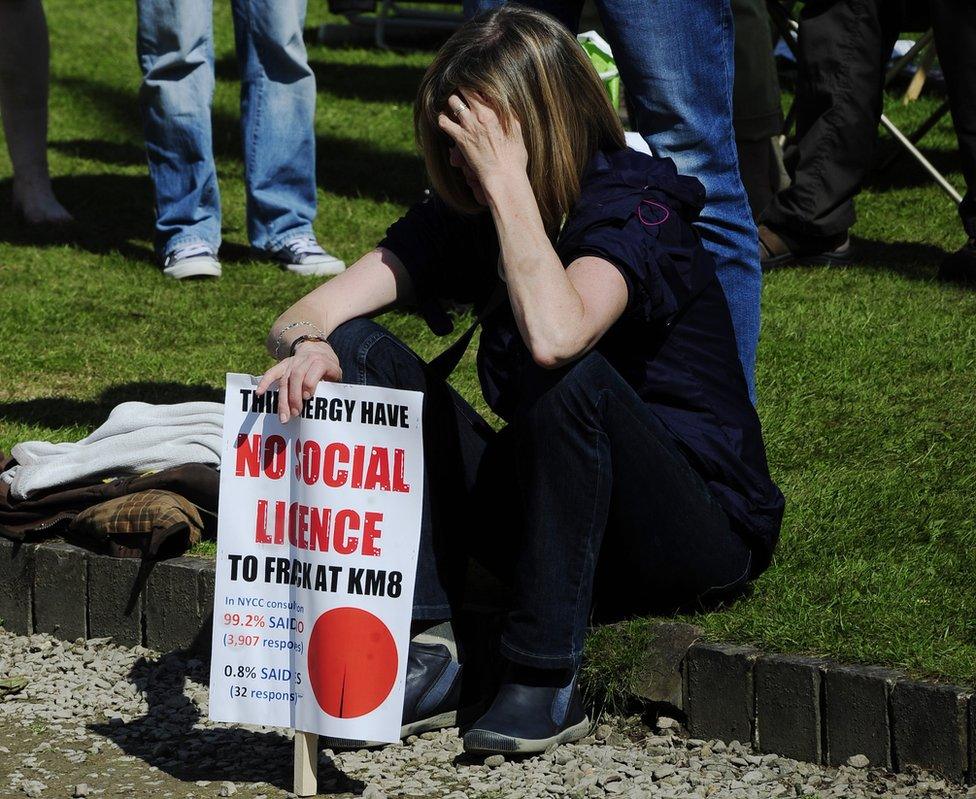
{"points": [[298, 375]]}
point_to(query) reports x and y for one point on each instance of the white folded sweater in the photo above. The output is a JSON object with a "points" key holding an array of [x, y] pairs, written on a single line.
{"points": [[137, 437]]}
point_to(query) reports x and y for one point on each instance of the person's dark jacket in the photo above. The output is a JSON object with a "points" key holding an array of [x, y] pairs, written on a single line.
{"points": [[674, 344]]}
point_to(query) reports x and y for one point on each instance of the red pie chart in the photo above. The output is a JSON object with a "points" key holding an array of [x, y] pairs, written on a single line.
{"points": [[352, 662]]}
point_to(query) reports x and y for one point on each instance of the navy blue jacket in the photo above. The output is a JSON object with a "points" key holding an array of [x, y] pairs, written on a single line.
{"points": [[674, 343]]}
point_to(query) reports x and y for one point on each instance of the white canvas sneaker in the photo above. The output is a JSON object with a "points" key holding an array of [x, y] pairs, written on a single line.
{"points": [[193, 260], [304, 256]]}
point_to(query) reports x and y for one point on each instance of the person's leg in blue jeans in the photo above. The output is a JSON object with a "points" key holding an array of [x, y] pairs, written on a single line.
{"points": [[603, 483], [675, 58], [676, 62], [455, 441], [532, 502], [175, 49], [277, 120], [585, 473]]}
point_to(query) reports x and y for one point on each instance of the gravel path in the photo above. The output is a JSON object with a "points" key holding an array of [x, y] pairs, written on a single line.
{"points": [[98, 720]]}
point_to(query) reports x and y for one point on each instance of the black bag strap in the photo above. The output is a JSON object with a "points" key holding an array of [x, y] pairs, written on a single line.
{"points": [[446, 362]]}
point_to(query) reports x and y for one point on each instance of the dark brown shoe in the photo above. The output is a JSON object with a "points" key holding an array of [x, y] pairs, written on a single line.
{"points": [[779, 249]]}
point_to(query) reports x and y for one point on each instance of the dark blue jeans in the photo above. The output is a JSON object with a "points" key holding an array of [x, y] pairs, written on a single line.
{"points": [[584, 497]]}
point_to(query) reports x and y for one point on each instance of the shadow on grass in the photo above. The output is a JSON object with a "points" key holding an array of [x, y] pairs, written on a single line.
{"points": [[909, 259], [345, 165], [113, 214], [57, 412], [167, 738], [105, 152], [369, 83], [362, 36], [110, 211], [905, 172], [349, 168]]}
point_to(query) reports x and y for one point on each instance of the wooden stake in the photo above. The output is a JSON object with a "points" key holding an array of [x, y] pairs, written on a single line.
{"points": [[306, 763]]}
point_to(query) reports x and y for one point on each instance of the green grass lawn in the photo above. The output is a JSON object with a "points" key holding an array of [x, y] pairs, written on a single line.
{"points": [[866, 373]]}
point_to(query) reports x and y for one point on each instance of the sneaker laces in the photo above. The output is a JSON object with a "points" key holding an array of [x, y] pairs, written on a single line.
{"points": [[304, 245], [189, 251]]}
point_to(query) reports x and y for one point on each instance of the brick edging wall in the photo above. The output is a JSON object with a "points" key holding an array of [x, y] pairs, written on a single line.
{"points": [[825, 712], [805, 708], [72, 593]]}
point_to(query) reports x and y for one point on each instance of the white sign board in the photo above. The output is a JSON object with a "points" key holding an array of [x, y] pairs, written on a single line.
{"points": [[317, 541]]}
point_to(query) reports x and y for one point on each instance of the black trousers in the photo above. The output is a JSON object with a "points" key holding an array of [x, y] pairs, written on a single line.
{"points": [[583, 497], [844, 46], [756, 113], [954, 22]]}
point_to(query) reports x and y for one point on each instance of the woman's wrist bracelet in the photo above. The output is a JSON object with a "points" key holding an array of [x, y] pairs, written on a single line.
{"points": [[279, 339], [300, 339]]}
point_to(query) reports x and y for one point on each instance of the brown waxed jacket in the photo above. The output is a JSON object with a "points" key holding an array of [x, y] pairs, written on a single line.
{"points": [[52, 513]]}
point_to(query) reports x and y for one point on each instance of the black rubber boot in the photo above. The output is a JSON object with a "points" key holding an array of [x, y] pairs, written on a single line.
{"points": [[533, 710], [432, 693]]}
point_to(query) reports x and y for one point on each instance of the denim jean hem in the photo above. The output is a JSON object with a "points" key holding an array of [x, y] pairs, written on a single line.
{"points": [[429, 612], [183, 240], [280, 241], [524, 658]]}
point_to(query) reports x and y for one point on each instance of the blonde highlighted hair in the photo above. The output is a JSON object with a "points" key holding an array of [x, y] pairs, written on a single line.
{"points": [[527, 66]]}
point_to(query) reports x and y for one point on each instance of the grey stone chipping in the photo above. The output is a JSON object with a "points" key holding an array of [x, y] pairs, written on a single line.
{"points": [[97, 720]]}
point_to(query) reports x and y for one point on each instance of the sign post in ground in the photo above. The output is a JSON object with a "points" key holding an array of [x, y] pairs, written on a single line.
{"points": [[306, 763]]}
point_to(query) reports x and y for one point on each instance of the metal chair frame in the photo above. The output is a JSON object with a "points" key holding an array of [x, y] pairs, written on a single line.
{"points": [[399, 14]]}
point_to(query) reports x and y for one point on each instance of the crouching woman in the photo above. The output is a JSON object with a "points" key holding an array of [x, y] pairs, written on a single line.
{"points": [[631, 473]]}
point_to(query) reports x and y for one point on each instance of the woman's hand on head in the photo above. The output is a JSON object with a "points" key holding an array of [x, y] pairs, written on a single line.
{"points": [[489, 150], [299, 374]]}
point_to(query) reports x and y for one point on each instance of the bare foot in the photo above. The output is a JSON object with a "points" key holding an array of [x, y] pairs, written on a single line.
{"points": [[35, 200]]}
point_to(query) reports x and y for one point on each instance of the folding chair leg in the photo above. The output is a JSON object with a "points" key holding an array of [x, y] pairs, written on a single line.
{"points": [[918, 134], [905, 142], [924, 41], [380, 32]]}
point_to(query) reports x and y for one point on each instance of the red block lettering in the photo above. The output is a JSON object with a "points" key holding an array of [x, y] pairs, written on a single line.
{"points": [[331, 476], [311, 456], [261, 523], [399, 458], [378, 473], [248, 455], [318, 538], [371, 532], [358, 459], [298, 525], [341, 543], [274, 457]]}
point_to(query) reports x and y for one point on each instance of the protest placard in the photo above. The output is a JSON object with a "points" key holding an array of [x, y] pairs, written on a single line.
{"points": [[318, 532]]}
